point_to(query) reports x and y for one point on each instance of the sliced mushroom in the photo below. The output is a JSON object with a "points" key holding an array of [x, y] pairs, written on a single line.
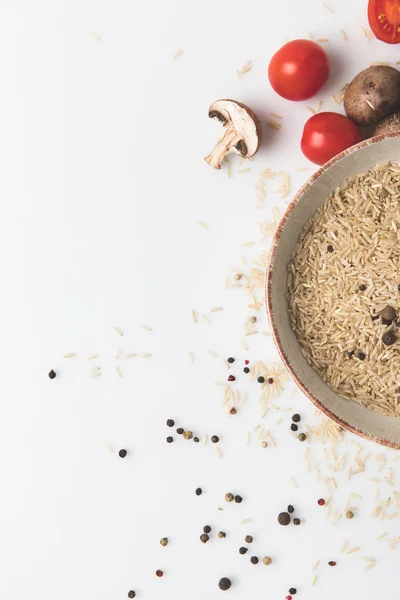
{"points": [[241, 131]]}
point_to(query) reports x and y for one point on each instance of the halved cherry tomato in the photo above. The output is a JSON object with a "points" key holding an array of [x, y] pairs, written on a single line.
{"points": [[384, 20], [326, 134], [299, 70]]}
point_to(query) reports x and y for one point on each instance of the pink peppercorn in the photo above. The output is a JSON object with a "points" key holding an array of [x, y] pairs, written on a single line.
{"points": [[159, 573], [332, 563], [233, 411], [321, 502], [246, 362], [231, 378], [289, 597]]}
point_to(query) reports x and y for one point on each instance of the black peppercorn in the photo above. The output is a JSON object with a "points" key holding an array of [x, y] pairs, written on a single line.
{"points": [[330, 248], [196, 439], [283, 518], [170, 423], [243, 550], [246, 370], [350, 354], [292, 591], [362, 287], [361, 355], [293, 427], [296, 418], [388, 314], [199, 491], [180, 430], [170, 439], [224, 584], [214, 439], [290, 509], [248, 539], [52, 374], [204, 538], [238, 499], [206, 529], [296, 521], [389, 338], [131, 594], [254, 560], [122, 453], [398, 287], [231, 360], [261, 379]]}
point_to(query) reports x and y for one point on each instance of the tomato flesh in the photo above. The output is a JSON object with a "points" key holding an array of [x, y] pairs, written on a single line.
{"points": [[384, 20], [326, 134], [299, 70]]}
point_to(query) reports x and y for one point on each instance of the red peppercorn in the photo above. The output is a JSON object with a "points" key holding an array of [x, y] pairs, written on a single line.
{"points": [[332, 563], [233, 411], [321, 502], [159, 573], [270, 380], [231, 378], [246, 362]]}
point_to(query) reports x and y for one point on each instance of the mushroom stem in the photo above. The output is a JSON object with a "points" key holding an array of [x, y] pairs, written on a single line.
{"points": [[226, 142]]}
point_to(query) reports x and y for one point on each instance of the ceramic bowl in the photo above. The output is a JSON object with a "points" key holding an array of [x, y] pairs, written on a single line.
{"points": [[350, 415]]}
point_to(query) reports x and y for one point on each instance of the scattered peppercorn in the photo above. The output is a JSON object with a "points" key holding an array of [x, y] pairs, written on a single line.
{"points": [[221, 534], [332, 563], [170, 423], [204, 538], [289, 597], [233, 411], [350, 354], [294, 427], [198, 492], [196, 439], [362, 287], [270, 380], [206, 529], [238, 499], [398, 287], [330, 248], [246, 362], [361, 355], [296, 521], [349, 514], [224, 584], [164, 541], [52, 374], [292, 591], [122, 453], [231, 378], [170, 439], [159, 573], [131, 594], [321, 502], [261, 379], [264, 444], [215, 439], [290, 509], [254, 560], [180, 430], [302, 437], [231, 360], [388, 314], [246, 370], [229, 497], [296, 418], [267, 560], [187, 435], [243, 550], [248, 539], [389, 338], [283, 518]]}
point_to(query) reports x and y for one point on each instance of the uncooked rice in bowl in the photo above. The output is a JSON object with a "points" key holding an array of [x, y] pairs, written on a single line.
{"points": [[344, 271]]}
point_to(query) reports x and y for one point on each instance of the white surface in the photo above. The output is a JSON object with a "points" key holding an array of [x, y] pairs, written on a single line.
{"points": [[102, 184]]}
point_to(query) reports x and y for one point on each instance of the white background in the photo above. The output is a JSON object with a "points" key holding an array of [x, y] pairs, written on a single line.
{"points": [[102, 184]]}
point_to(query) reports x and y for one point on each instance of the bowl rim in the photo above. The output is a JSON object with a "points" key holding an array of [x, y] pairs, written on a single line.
{"points": [[268, 299]]}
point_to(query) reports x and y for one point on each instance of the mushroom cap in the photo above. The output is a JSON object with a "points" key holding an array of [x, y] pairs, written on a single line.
{"points": [[244, 120]]}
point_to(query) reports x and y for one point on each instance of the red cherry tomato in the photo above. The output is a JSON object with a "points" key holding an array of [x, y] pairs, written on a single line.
{"points": [[299, 70], [326, 134], [384, 20]]}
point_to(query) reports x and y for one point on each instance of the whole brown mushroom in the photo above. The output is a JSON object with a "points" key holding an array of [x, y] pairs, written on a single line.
{"points": [[389, 125], [241, 131], [373, 95]]}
